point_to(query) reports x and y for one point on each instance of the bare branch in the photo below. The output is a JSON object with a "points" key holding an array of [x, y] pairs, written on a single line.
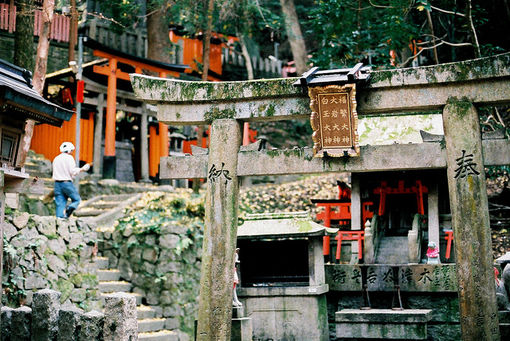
{"points": [[447, 12], [499, 117], [379, 6], [101, 16], [433, 47]]}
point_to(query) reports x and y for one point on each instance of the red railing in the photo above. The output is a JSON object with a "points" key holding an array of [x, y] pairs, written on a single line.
{"points": [[59, 25]]}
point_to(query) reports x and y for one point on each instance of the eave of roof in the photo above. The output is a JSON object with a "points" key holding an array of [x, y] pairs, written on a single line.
{"points": [[17, 93], [93, 44]]}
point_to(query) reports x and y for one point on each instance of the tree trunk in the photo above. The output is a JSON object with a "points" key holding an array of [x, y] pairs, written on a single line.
{"points": [[157, 33], [43, 46], [246, 55], [207, 41], [40, 69], [296, 40], [431, 27], [24, 35]]}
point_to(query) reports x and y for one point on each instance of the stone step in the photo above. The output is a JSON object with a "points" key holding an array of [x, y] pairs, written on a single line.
{"points": [[102, 262], [151, 325], [145, 312], [108, 275], [102, 205], [163, 335], [88, 212], [138, 297], [114, 286], [393, 250], [117, 197]]}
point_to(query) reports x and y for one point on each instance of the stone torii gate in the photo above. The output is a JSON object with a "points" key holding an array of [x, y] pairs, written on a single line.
{"points": [[454, 88]]}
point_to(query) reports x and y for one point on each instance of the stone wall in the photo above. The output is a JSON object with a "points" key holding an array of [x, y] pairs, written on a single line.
{"points": [[43, 252], [48, 320], [157, 247]]}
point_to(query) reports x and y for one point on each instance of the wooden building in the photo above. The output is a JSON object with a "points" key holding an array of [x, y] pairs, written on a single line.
{"points": [[19, 102], [110, 113]]}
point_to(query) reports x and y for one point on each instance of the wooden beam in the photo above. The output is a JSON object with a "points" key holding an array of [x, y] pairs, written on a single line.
{"points": [[105, 70], [484, 81], [395, 157], [134, 63], [90, 85]]}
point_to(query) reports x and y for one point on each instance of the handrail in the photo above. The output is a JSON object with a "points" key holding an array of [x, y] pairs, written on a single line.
{"points": [[414, 239]]}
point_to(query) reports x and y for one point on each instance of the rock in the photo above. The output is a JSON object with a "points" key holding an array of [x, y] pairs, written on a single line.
{"points": [[148, 268], [6, 317], [120, 323], [169, 241], [172, 323], [168, 266], [58, 246], [38, 208], [65, 287], [63, 229], [150, 240], [57, 265], [153, 298], [46, 308], [172, 311], [82, 225], [128, 231], [75, 240], [108, 182], [150, 255], [166, 298], [45, 225], [91, 326], [35, 281], [9, 231], [78, 295], [175, 229], [20, 323], [69, 323], [21, 220], [125, 269]]}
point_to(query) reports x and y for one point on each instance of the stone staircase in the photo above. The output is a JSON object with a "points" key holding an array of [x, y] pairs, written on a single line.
{"points": [[393, 250], [104, 210], [151, 326]]}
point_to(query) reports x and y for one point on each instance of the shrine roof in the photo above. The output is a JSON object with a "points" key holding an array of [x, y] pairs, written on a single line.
{"points": [[18, 95], [280, 225]]}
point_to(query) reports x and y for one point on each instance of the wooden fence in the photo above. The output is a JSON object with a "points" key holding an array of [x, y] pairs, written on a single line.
{"points": [[59, 26]]}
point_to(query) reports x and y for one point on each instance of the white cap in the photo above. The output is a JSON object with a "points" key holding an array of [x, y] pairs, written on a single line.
{"points": [[66, 147]]}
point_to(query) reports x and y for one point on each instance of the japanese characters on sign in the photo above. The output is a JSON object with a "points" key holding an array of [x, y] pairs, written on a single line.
{"points": [[379, 277], [334, 120]]}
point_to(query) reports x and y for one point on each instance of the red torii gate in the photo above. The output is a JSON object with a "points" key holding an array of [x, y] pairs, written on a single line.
{"points": [[113, 71]]}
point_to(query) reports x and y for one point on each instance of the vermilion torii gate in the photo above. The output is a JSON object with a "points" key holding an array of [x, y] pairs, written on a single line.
{"points": [[453, 88]]}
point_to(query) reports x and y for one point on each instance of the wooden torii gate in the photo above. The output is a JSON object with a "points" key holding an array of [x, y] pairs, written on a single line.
{"points": [[454, 88]]}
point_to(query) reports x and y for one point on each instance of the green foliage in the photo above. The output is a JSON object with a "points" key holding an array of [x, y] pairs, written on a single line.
{"points": [[351, 31]]}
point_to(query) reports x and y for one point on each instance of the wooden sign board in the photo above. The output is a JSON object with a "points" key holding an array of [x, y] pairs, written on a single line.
{"points": [[334, 120]]}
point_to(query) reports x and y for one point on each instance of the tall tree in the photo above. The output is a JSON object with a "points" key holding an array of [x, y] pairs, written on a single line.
{"points": [[207, 39], [294, 35], [157, 31], [43, 45], [24, 35], [40, 69]]}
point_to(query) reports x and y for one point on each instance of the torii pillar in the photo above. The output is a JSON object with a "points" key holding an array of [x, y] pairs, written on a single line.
{"points": [[220, 232]]}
